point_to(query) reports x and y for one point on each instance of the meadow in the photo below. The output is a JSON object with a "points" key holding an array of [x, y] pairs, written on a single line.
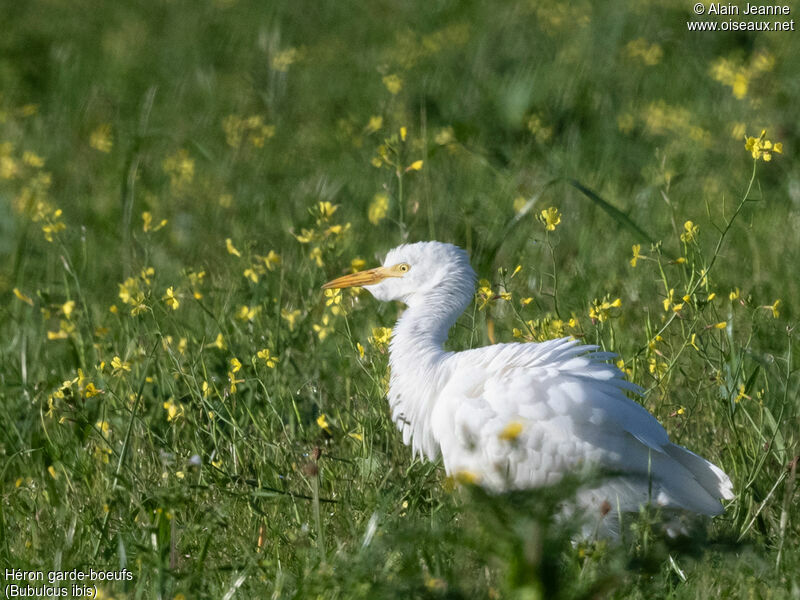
{"points": [[180, 399]]}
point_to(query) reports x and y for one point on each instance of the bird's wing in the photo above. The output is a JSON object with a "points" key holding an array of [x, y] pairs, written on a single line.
{"points": [[521, 415]]}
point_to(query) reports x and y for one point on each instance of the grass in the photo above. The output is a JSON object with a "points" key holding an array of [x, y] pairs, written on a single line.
{"points": [[178, 179]]}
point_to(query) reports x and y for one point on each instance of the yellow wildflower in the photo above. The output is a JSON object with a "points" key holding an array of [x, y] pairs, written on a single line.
{"points": [[690, 232], [233, 381], [271, 260], [636, 254], [511, 431], [360, 349], [485, 293], [517, 269], [100, 139], [393, 83], [375, 123], [231, 248], [32, 159], [761, 147], [669, 302], [721, 325], [774, 308], [170, 299], [270, 359], [180, 168], [290, 316], [380, 337], [236, 365], [323, 329], [403, 133], [693, 342], [465, 477], [657, 368], [218, 343], [147, 222], [284, 59], [333, 300], [550, 217], [414, 166], [316, 256], [740, 394], [51, 469], [68, 307], [444, 136], [326, 209], [174, 411], [246, 313], [22, 297], [649, 54], [378, 208], [322, 422], [600, 311], [120, 366]]}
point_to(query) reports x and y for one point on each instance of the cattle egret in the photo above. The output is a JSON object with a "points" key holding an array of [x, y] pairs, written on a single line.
{"points": [[522, 415]]}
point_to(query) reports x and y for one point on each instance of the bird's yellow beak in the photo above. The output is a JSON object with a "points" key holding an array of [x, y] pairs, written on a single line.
{"points": [[360, 278]]}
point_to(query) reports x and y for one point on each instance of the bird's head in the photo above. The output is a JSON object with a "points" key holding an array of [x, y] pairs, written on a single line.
{"points": [[414, 273]]}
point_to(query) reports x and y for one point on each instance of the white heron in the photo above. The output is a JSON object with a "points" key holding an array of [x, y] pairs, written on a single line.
{"points": [[522, 415]]}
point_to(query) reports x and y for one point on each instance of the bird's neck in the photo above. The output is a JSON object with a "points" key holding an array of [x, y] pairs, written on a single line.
{"points": [[418, 367]]}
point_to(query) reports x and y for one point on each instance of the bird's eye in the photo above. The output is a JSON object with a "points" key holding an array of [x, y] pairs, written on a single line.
{"points": [[403, 267]]}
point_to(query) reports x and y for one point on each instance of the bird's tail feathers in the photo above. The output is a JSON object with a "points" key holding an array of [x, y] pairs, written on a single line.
{"points": [[710, 477]]}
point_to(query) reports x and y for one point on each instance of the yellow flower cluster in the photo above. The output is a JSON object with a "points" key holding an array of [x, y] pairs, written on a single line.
{"points": [[180, 169], [285, 59], [550, 218], [324, 234], [737, 75], [601, 310], [649, 54], [147, 222], [538, 129], [761, 147], [132, 290], [236, 366], [79, 387], [323, 329], [486, 294], [393, 83], [670, 302], [378, 208], [380, 338], [690, 231], [411, 47], [32, 198], [174, 410], [100, 138], [637, 254], [252, 129], [271, 360], [545, 328]]}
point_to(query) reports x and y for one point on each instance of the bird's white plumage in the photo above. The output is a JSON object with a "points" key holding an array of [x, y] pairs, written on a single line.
{"points": [[568, 399]]}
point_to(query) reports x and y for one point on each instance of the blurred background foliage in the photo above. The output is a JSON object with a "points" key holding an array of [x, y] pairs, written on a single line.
{"points": [[268, 145]]}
